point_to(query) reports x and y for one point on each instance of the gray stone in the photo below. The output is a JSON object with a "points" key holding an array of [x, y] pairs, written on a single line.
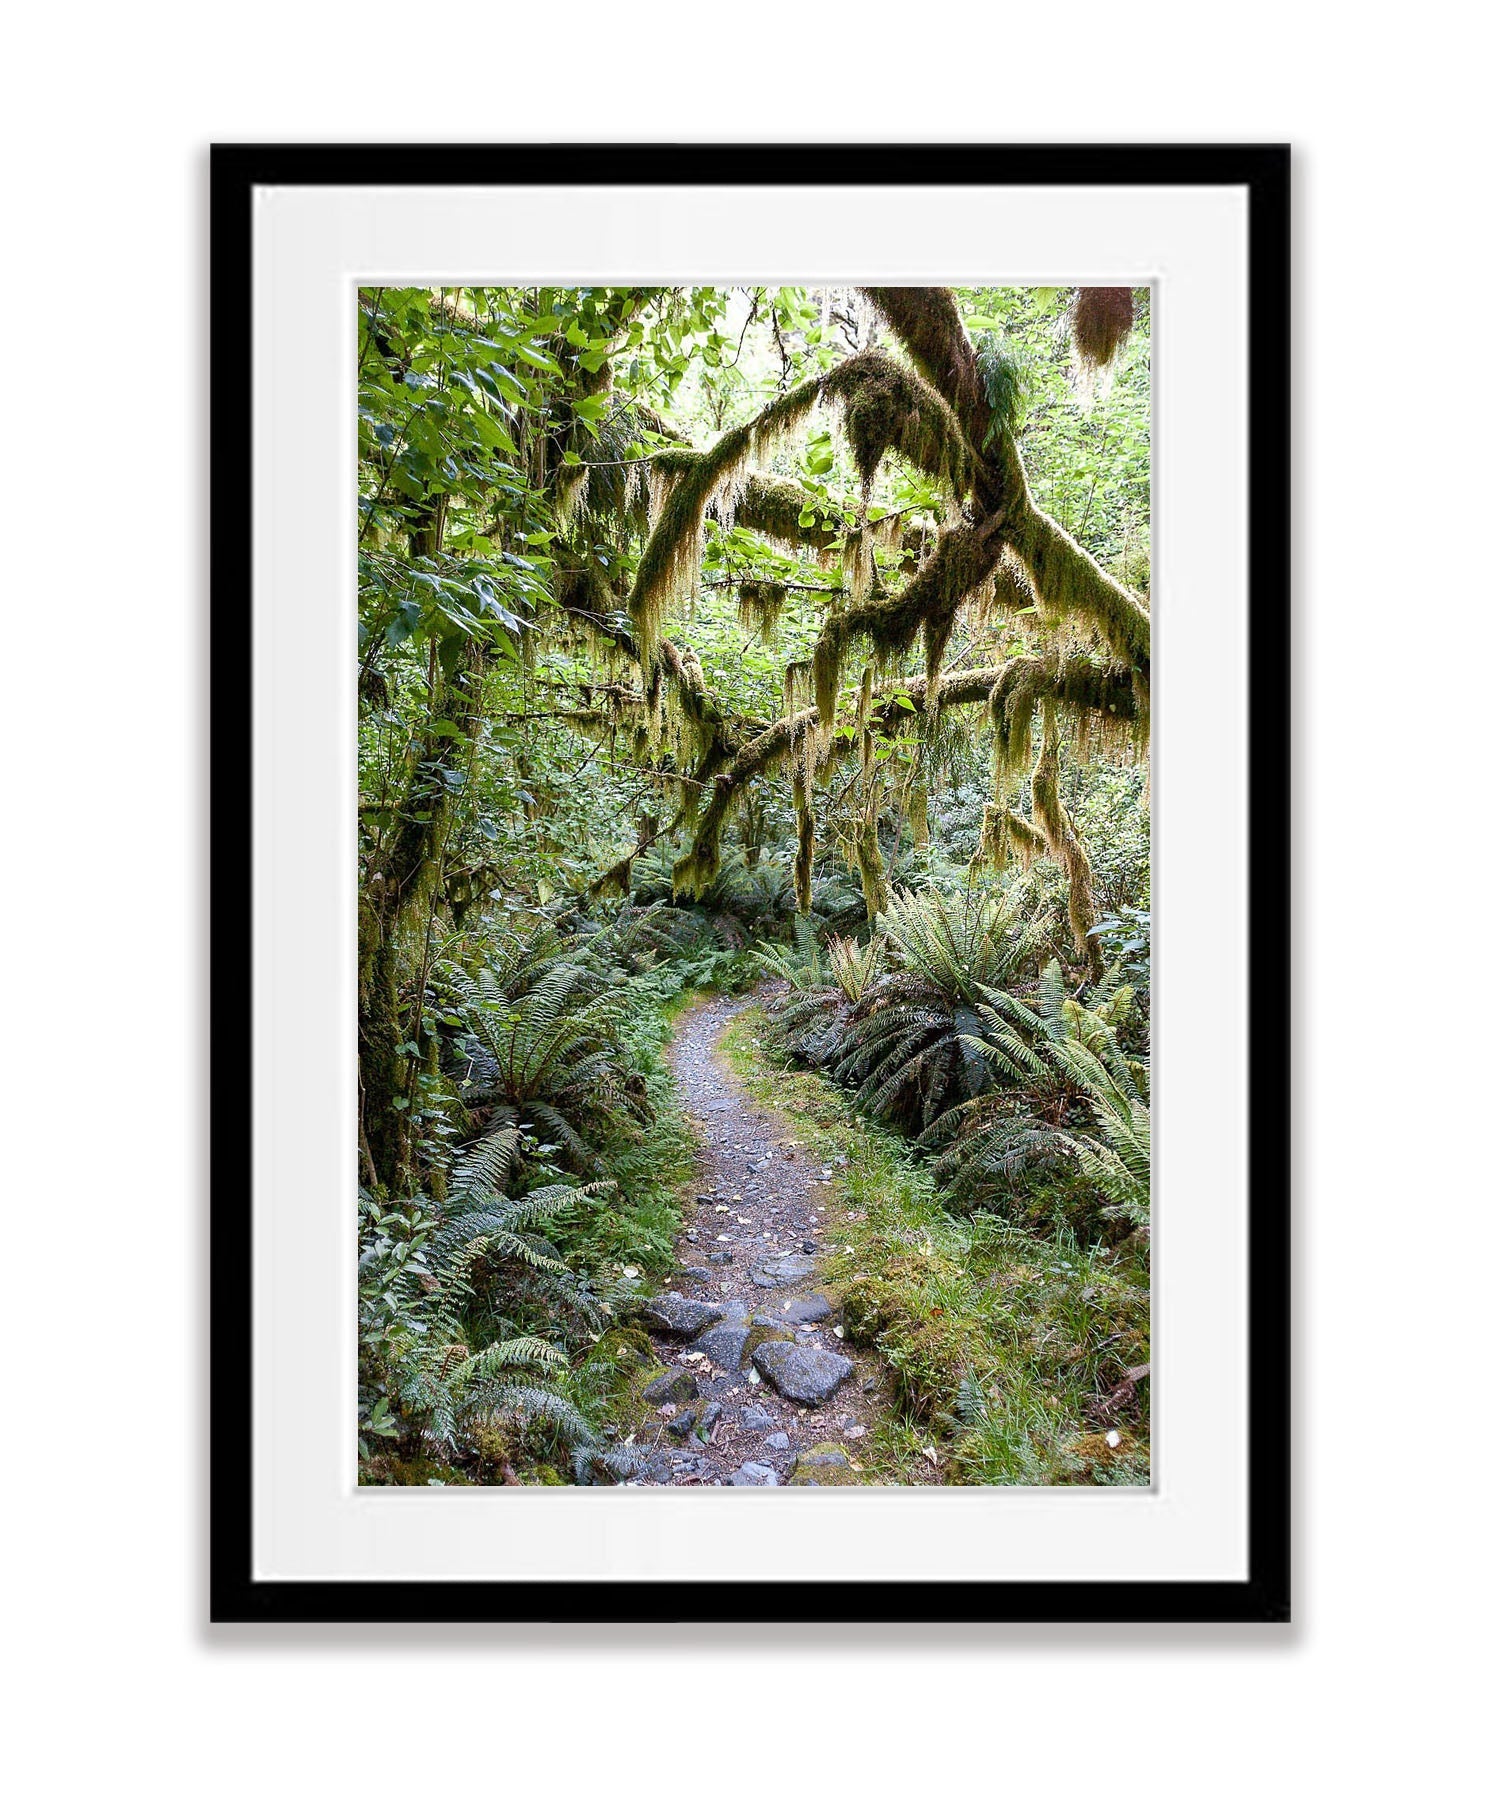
{"points": [[801, 1372], [756, 1418], [689, 1274], [724, 1344], [782, 1271], [754, 1474], [778, 1440], [709, 1417], [808, 1246], [680, 1385], [720, 1257], [682, 1424], [804, 1309], [822, 1465], [682, 1318]]}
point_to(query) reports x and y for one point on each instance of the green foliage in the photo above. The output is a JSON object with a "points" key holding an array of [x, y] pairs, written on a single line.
{"points": [[542, 1052]]}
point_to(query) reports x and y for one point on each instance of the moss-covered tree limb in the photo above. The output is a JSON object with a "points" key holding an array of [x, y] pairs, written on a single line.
{"points": [[964, 556], [1069, 584], [786, 742], [927, 322]]}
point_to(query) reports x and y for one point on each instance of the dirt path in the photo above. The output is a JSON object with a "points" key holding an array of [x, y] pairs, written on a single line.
{"points": [[756, 1387]]}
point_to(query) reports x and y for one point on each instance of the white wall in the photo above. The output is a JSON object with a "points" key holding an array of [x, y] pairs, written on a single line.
{"points": [[1376, 1690]]}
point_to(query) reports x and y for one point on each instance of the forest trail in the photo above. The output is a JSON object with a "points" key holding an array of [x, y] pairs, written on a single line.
{"points": [[756, 1387]]}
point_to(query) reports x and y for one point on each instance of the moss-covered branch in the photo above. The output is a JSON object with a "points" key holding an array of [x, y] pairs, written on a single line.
{"points": [[964, 556], [927, 322]]}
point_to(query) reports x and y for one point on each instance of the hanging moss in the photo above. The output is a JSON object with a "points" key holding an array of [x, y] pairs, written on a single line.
{"points": [[687, 482], [1099, 322], [859, 563], [1101, 699], [782, 744], [802, 863], [1050, 814], [871, 866], [964, 557], [761, 604], [1070, 585], [866, 694], [885, 408]]}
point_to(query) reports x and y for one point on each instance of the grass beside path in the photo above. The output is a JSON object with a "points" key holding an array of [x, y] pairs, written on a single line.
{"points": [[1001, 1341]]}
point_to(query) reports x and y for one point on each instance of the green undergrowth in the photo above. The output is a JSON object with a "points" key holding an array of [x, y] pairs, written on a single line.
{"points": [[638, 1224], [631, 1238], [1003, 1344]]}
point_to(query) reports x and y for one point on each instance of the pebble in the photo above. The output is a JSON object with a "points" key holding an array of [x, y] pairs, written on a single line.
{"points": [[778, 1440]]}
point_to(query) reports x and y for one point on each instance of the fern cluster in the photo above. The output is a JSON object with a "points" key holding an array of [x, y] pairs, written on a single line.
{"points": [[472, 1305], [944, 1026]]}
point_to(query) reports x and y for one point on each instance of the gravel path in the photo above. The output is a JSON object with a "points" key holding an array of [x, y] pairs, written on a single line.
{"points": [[754, 1373]]}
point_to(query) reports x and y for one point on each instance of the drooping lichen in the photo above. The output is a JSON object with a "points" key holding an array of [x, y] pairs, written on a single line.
{"points": [[964, 556], [761, 604], [885, 407], [871, 866], [685, 483], [1071, 586], [802, 864], [1099, 322], [1101, 698], [1051, 815]]}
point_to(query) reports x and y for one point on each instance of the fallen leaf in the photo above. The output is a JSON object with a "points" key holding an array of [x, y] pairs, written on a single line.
{"points": [[931, 1455]]}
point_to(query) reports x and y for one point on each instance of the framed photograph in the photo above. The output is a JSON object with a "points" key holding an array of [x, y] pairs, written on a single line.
{"points": [[750, 769]]}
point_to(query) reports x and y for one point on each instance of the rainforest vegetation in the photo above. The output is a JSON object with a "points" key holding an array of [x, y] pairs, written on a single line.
{"points": [[777, 643]]}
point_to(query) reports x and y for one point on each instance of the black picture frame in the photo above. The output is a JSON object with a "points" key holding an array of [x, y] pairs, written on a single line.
{"points": [[1263, 172]]}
